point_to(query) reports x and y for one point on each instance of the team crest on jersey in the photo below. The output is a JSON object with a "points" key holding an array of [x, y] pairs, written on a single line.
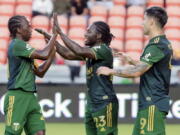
{"points": [[28, 47], [146, 57], [16, 126], [156, 40]]}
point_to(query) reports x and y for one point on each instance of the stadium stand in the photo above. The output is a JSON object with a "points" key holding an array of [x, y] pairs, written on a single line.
{"points": [[117, 11], [40, 22], [125, 23], [6, 10], [25, 10], [155, 3], [8, 2], [78, 22], [99, 11]]}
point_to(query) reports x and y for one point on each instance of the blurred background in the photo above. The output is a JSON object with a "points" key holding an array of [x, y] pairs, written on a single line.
{"points": [[62, 90]]}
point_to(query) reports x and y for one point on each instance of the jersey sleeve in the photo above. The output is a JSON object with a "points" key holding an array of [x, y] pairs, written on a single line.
{"points": [[101, 52], [23, 49], [151, 55]]}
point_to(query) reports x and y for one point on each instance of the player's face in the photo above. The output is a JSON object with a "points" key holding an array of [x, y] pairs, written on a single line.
{"points": [[91, 36], [146, 24], [25, 30]]}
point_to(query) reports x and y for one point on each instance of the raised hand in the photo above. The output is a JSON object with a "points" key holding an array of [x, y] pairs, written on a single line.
{"points": [[54, 29], [56, 24], [46, 35], [40, 31]]}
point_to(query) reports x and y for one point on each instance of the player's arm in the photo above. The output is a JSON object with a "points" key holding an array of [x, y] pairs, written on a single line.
{"points": [[45, 53], [42, 69], [125, 57], [61, 50], [129, 72], [84, 52]]}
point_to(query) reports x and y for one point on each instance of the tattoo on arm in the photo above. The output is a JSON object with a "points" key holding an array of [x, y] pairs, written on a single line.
{"points": [[134, 71]]}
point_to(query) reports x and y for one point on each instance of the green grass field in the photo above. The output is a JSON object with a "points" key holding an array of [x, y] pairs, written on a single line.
{"points": [[78, 129]]}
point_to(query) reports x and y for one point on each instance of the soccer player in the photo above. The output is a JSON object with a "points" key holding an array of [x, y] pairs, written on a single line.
{"points": [[101, 116], [21, 106], [154, 68]]}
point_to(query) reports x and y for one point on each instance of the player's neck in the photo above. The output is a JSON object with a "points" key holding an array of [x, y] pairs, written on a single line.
{"points": [[155, 33], [19, 37], [98, 43]]}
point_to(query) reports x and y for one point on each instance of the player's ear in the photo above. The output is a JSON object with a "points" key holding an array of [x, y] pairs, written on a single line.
{"points": [[99, 36], [18, 30]]}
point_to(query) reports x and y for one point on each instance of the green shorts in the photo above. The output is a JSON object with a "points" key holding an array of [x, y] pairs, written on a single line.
{"points": [[22, 111], [102, 122], [150, 121]]}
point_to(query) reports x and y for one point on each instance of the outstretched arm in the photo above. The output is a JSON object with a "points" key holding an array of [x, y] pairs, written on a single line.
{"points": [[42, 69], [73, 46], [45, 53], [129, 72], [61, 50], [126, 58]]}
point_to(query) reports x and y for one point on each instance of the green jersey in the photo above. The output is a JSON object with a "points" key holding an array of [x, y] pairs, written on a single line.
{"points": [[21, 75], [100, 88], [154, 84]]}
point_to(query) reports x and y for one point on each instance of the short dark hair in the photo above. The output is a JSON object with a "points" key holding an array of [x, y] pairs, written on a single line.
{"points": [[104, 30], [14, 23], [159, 14]]}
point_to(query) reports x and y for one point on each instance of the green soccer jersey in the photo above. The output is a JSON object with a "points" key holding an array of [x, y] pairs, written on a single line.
{"points": [[21, 75], [100, 88], [154, 84]]}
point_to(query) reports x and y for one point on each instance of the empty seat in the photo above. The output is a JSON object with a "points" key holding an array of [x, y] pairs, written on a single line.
{"points": [[134, 34], [3, 57], [134, 22], [78, 22], [8, 2], [135, 11], [25, 10], [6, 10], [173, 34], [4, 33], [3, 44], [119, 2], [24, 2], [116, 22], [40, 22], [159, 3], [96, 18], [117, 11], [38, 44], [173, 11], [133, 45], [99, 11], [173, 22], [73, 33], [117, 45], [175, 44], [118, 33], [4, 21], [172, 2]]}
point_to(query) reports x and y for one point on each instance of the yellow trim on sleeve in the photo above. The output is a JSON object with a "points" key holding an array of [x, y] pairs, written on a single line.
{"points": [[94, 53], [31, 53]]}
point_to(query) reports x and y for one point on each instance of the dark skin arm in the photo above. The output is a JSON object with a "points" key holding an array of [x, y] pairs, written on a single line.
{"points": [[73, 46], [42, 69], [45, 53], [60, 49]]}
